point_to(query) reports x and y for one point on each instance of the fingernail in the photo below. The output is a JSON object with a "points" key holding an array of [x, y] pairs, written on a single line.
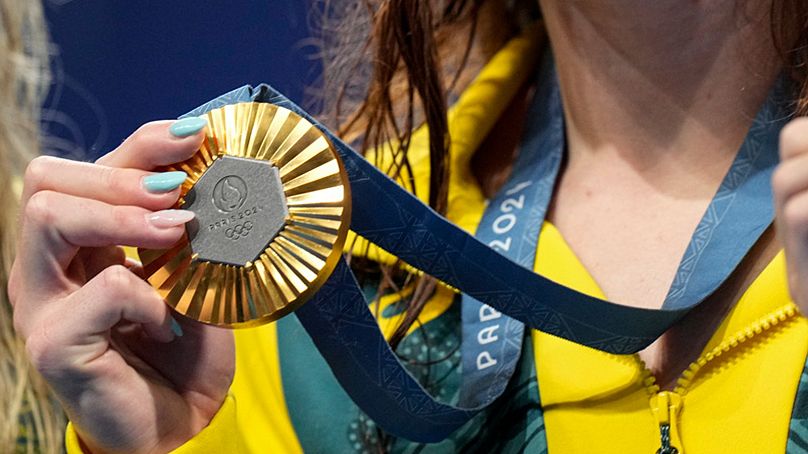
{"points": [[187, 126], [164, 182], [176, 328], [167, 219]]}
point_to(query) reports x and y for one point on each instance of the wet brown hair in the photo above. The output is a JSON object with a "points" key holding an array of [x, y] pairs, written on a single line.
{"points": [[790, 35], [391, 65]]}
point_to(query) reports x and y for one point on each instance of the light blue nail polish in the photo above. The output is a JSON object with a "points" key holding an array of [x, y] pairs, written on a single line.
{"points": [[164, 182], [176, 328], [187, 126]]}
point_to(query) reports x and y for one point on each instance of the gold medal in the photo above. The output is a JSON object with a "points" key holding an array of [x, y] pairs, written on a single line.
{"points": [[272, 204]]}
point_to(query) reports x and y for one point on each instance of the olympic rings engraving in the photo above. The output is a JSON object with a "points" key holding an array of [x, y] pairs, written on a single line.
{"points": [[239, 230]]}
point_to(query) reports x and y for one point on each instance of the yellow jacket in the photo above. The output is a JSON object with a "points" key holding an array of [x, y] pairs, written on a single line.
{"points": [[737, 397]]}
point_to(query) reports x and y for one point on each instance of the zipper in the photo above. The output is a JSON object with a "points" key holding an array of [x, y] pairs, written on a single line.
{"points": [[666, 405]]}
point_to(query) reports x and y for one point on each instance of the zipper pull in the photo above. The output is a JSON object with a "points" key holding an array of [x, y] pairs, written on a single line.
{"points": [[665, 440], [666, 406]]}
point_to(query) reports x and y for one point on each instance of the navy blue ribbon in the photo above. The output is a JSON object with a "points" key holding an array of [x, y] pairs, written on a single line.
{"points": [[347, 335], [511, 223]]}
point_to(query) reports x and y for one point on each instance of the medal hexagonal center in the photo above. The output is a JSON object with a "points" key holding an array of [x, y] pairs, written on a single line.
{"points": [[240, 207]]}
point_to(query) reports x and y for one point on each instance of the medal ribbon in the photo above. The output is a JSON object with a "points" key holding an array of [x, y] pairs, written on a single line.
{"points": [[492, 341], [503, 288]]}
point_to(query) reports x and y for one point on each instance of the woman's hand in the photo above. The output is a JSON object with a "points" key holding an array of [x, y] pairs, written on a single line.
{"points": [[790, 185], [99, 334]]}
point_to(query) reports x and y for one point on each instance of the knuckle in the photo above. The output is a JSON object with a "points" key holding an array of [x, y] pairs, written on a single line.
{"points": [[139, 139], [38, 170], [116, 280], [794, 137], [121, 218], [145, 132], [112, 179], [795, 217], [43, 353], [39, 208]]}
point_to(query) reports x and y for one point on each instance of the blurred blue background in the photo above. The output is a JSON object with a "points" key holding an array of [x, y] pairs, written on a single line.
{"points": [[118, 64]]}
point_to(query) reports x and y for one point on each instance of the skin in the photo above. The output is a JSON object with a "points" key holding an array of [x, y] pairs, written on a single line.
{"points": [[99, 334], [638, 125], [658, 96]]}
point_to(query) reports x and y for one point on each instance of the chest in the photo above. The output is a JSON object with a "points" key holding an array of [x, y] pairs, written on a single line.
{"points": [[630, 233]]}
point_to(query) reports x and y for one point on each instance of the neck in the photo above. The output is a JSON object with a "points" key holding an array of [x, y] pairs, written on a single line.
{"points": [[659, 82]]}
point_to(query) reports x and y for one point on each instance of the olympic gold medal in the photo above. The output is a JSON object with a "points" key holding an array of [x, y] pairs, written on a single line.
{"points": [[272, 205]]}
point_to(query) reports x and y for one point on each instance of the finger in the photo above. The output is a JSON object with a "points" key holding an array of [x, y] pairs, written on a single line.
{"points": [[154, 144], [112, 185], [793, 224], [790, 178], [794, 138], [55, 225], [792, 229], [75, 332]]}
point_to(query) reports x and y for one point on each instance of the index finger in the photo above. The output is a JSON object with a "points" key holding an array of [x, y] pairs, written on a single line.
{"points": [[158, 143]]}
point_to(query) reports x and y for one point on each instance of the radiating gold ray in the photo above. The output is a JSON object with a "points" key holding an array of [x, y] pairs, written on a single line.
{"points": [[322, 196], [238, 313], [204, 152], [229, 296], [174, 279], [162, 278], [217, 127], [260, 128], [200, 292], [210, 145], [330, 168], [308, 155], [318, 222], [195, 164], [219, 298], [316, 211], [319, 249], [325, 237], [178, 290], [285, 290], [333, 180], [247, 307], [197, 271], [207, 310], [301, 129], [232, 132], [299, 259], [298, 286], [274, 300], [304, 217], [260, 296], [296, 265], [192, 171], [311, 260], [274, 130], [250, 303], [245, 118]]}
